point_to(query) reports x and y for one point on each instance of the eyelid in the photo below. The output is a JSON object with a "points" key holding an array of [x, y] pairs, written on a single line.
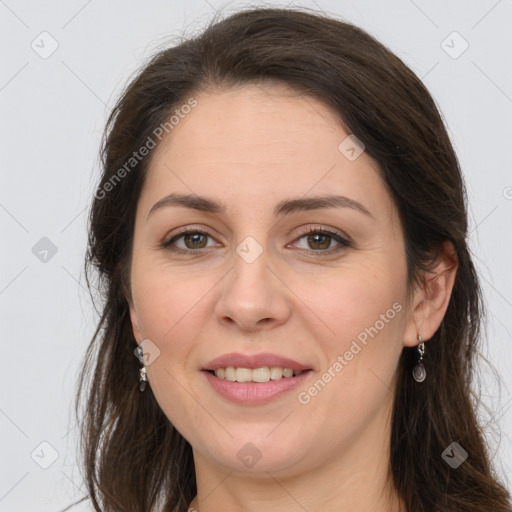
{"points": [[343, 240], [184, 231], [313, 228]]}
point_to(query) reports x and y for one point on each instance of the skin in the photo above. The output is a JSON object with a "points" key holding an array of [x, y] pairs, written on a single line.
{"points": [[250, 148]]}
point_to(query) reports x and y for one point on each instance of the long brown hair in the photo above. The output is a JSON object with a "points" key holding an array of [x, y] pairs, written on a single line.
{"points": [[133, 457]]}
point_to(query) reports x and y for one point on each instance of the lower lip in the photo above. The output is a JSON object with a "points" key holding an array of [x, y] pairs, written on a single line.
{"points": [[254, 392]]}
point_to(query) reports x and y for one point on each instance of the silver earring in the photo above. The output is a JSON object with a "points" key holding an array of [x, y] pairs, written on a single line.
{"points": [[419, 373], [143, 378]]}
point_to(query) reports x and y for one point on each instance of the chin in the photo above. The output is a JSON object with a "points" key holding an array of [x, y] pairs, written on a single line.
{"points": [[257, 453]]}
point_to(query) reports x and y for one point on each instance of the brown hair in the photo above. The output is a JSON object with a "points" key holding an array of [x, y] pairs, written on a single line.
{"points": [[133, 456]]}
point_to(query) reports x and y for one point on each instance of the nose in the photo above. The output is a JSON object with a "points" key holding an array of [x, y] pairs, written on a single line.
{"points": [[253, 296]]}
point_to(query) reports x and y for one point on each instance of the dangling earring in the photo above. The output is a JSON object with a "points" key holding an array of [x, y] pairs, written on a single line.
{"points": [[419, 373], [143, 378]]}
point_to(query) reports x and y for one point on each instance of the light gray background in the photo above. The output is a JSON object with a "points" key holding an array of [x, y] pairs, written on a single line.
{"points": [[52, 113]]}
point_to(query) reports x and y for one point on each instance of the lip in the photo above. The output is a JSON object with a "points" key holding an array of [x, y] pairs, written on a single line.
{"points": [[253, 393], [238, 360]]}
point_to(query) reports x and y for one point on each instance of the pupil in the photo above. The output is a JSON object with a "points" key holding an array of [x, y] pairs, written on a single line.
{"points": [[195, 237], [315, 238]]}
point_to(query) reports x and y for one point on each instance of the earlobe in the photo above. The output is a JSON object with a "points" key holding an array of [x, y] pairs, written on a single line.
{"points": [[431, 301]]}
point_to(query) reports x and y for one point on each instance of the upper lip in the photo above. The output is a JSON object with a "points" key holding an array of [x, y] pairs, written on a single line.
{"points": [[254, 361]]}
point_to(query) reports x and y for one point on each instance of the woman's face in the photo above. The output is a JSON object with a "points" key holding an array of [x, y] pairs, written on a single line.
{"points": [[250, 281]]}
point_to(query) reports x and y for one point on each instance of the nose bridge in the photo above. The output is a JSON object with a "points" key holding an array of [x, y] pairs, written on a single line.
{"points": [[251, 294], [250, 276]]}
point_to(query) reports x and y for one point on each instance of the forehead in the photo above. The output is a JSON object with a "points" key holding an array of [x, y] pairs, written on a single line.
{"points": [[260, 142], [224, 125]]}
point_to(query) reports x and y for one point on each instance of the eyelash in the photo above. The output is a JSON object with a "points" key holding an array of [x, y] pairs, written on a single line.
{"points": [[336, 235]]}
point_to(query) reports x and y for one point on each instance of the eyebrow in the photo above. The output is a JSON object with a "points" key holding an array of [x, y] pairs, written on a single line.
{"points": [[205, 204]]}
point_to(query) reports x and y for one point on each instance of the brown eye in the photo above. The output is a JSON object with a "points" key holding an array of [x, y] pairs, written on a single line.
{"points": [[188, 241], [195, 240], [322, 241]]}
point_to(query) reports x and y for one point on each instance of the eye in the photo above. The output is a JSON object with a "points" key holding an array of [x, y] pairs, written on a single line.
{"points": [[321, 240], [191, 239]]}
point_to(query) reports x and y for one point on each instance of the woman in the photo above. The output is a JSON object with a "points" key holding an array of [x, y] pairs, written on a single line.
{"points": [[291, 312]]}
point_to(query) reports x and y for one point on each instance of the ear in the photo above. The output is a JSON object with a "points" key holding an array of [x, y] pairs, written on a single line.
{"points": [[135, 323], [431, 300], [133, 313]]}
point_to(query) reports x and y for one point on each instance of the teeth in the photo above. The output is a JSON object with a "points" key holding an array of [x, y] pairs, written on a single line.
{"points": [[262, 374], [243, 374], [275, 373], [287, 372]]}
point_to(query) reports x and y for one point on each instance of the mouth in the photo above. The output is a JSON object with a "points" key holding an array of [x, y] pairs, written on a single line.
{"points": [[252, 379]]}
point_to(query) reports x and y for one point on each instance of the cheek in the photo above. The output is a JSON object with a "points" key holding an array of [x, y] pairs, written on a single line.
{"points": [[363, 316], [361, 303], [167, 300], [170, 311]]}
